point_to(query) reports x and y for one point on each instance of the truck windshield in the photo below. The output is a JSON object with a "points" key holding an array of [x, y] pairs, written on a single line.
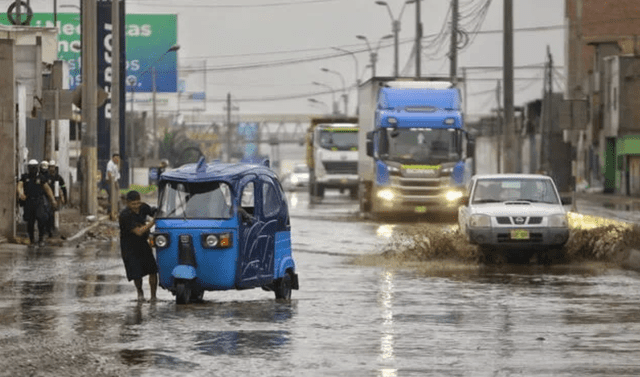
{"points": [[423, 146], [515, 189], [189, 200], [339, 139]]}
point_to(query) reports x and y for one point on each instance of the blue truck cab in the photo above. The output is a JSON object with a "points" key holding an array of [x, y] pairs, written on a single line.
{"points": [[416, 152], [223, 226]]}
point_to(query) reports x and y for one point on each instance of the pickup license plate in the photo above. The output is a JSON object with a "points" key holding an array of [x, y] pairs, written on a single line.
{"points": [[421, 209], [519, 234]]}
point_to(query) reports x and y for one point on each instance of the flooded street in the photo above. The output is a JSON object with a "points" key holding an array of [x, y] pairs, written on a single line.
{"points": [[71, 311]]}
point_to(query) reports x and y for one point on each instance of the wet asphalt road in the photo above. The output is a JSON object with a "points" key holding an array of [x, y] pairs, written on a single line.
{"points": [[346, 319]]}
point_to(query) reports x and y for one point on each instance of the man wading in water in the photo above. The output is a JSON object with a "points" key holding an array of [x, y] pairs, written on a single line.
{"points": [[134, 246]]}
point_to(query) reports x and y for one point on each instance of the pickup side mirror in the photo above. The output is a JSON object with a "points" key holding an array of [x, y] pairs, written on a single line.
{"points": [[370, 144]]}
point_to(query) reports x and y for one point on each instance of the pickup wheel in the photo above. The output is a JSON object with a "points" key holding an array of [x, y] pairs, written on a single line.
{"points": [[283, 288], [490, 255]]}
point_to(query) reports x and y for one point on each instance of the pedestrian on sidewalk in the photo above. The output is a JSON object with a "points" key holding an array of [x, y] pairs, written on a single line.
{"points": [[134, 245], [56, 183], [113, 175], [34, 191]]}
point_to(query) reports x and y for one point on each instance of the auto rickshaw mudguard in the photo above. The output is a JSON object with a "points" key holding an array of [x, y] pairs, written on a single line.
{"points": [[184, 272], [283, 259]]}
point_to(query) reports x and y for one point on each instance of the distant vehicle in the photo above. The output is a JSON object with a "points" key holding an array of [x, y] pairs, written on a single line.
{"points": [[514, 215], [415, 155], [223, 226], [332, 155], [297, 179]]}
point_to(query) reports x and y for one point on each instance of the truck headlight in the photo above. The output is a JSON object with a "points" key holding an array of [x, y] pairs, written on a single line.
{"points": [[558, 221], [392, 121], [480, 221], [393, 170], [449, 121], [386, 194], [453, 195]]}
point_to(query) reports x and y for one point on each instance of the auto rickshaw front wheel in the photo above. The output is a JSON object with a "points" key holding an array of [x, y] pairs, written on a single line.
{"points": [[283, 287], [183, 293]]}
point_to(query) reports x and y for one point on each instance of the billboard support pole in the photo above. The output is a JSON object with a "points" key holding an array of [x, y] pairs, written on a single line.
{"points": [[115, 95]]}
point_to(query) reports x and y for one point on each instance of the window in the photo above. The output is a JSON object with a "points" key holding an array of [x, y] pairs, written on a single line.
{"points": [[195, 200], [247, 201], [270, 200]]}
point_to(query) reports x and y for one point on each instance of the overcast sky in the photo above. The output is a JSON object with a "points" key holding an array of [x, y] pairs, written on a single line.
{"points": [[261, 51]]}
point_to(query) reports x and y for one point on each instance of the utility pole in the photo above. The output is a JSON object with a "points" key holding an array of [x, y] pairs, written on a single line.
{"points": [[546, 135], [499, 126], [115, 95], [464, 79], [154, 111], [418, 38], [453, 54], [89, 146], [509, 133], [228, 127]]}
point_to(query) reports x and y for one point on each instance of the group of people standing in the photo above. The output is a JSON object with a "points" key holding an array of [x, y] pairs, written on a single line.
{"points": [[41, 192]]}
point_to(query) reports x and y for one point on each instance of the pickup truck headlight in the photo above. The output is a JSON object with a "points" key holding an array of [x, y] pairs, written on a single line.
{"points": [[480, 221], [558, 221]]}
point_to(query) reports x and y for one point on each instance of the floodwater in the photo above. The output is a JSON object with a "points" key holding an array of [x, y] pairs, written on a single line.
{"points": [[348, 318]]}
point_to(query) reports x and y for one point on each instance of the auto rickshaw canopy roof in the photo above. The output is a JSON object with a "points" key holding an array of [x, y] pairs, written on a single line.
{"points": [[216, 171]]}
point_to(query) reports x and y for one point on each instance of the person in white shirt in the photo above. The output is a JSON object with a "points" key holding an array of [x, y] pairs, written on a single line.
{"points": [[113, 174]]}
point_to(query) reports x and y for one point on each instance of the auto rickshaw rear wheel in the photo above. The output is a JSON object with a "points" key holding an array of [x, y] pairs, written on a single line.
{"points": [[283, 287], [183, 293]]}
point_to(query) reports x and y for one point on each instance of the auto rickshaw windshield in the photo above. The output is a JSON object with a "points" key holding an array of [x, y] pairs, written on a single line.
{"points": [[195, 200]]}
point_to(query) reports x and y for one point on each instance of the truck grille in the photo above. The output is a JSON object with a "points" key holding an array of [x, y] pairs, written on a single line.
{"points": [[505, 220], [341, 167]]}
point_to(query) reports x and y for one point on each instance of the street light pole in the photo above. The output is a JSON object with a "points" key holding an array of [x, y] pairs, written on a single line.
{"points": [[373, 53], [395, 26], [345, 95], [334, 104], [152, 67], [315, 101]]}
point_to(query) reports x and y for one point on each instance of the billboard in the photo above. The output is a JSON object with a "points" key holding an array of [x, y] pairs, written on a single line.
{"points": [[148, 37]]}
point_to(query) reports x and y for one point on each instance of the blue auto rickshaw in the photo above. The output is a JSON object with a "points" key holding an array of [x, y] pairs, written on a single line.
{"points": [[222, 226]]}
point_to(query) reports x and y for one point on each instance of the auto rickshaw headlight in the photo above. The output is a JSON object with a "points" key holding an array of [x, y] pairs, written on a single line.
{"points": [[211, 241], [161, 240], [216, 240]]}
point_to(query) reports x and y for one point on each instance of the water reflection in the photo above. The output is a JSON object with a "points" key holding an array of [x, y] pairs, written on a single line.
{"points": [[385, 300], [385, 231], [244, 342]]}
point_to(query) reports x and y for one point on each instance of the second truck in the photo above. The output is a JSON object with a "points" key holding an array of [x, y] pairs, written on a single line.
{"points": [[332, 155], [415, 155]]}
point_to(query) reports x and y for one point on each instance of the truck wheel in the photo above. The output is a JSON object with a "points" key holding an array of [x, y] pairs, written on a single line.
{"points": [[353, 193], [183, 293], [365, 203], [283, 288]]}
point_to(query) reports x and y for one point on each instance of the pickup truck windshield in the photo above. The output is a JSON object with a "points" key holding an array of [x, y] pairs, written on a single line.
{"points": [[187, 200], [421, 146], [520, 190], [339, 139]]}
